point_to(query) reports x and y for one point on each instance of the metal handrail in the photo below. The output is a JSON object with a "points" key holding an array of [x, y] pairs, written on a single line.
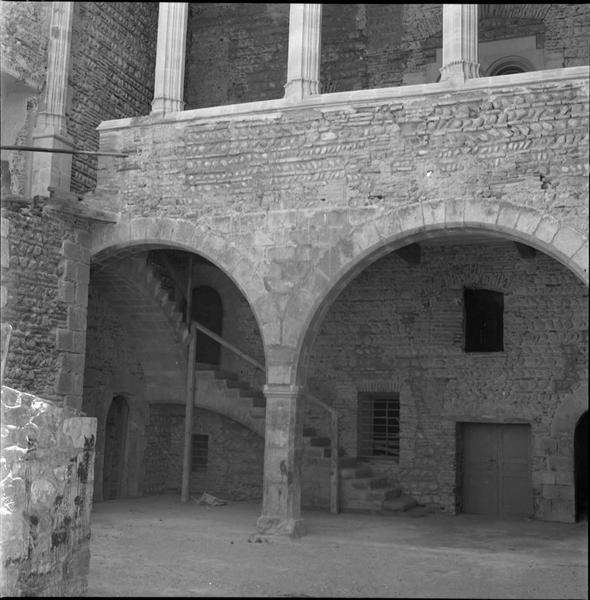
{"points": [[334, 469]]}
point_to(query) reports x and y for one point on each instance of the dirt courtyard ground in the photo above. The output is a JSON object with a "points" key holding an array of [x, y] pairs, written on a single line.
{"points": [[158, 546]]}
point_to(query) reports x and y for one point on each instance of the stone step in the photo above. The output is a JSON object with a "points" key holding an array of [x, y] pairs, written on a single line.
{"points": [[355, 472], [366, 483], [258, 412], [400, 504], [319, 441]]}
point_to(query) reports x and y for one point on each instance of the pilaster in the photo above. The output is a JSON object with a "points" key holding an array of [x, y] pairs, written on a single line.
{"points": [[52, 169], [170, 57], [303, 68], [460, 43], [281, 504]]}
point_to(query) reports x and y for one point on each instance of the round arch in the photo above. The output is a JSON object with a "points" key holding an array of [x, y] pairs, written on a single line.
{"points": [[374, 239], [569, 411], [148, 233]]}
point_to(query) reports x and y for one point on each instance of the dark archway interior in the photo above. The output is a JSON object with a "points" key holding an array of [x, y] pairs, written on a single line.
{"points": [[207, 309], [114, 451], [581, 467]]}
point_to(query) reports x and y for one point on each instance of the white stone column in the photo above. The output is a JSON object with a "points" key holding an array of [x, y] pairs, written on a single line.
{"points": [[52, 169], [460, 43], [305, 44], [170, 58]]}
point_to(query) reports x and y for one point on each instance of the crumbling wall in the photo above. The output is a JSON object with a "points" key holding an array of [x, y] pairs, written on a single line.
{"points": [[47, 473]]}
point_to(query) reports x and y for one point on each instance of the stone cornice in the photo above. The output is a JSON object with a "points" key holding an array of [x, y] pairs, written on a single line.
{"points": [[274, 109]]}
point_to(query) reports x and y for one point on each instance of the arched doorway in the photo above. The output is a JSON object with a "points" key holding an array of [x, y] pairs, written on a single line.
{"points": [[114, 450], [581, 467], [207, 309]]}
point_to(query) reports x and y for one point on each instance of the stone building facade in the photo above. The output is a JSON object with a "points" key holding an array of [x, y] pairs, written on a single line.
{"points": [[382, 210]]}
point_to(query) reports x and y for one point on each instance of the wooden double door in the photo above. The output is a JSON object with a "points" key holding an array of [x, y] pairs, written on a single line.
{"points": [[496, 469]]}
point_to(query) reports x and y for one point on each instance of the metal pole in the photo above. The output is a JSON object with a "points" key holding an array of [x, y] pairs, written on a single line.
{"points": [[190, 387], [62, 151], [334, 469], [189, 293], [188, 419]]}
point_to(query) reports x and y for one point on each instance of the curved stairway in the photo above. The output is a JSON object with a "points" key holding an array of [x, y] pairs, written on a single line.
{"points": [[223, 392]]}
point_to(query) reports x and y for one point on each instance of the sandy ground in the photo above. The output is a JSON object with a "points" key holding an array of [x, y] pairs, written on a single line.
{"points": [[158, 546]]}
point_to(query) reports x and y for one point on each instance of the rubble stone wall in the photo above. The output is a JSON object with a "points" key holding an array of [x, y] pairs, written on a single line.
{"points": [[46, 294], [47, 480], [399, 327], [235, 455]]}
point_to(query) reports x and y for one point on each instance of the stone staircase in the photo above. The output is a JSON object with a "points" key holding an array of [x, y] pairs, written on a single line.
{"points": [[223, 392], [220, 391], [361, 490]]}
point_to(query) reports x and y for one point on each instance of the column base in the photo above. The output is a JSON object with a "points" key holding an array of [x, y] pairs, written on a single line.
{"points": [[280, 526]]}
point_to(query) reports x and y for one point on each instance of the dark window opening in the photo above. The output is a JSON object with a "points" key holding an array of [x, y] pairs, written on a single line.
{"points": [[200, 453], [484, 321], [508, 70], [378, 426]]}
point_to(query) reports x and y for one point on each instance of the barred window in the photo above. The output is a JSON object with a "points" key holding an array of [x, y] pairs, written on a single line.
{"points": [[378, 426], [200, 454]]}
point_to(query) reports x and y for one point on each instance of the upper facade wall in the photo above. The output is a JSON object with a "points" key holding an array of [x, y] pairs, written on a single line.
{"points": [[364, 46], [501, 143]]}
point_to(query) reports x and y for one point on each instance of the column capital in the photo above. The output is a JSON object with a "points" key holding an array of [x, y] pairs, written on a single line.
{"points": [[281, 391], [460, 43]]}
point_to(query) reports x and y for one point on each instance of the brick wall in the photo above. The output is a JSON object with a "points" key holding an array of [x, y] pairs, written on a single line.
{"points": [[112, 73], [399, 327], [228, 60], [46, 285], [235, 455], [47, 475]]}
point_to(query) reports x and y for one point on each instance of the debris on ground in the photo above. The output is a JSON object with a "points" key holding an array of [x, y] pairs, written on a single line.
{"points": [[210, 500], [257, 539]]}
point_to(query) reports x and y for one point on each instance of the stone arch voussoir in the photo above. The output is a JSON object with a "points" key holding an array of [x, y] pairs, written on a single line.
{"points": [[111, 240], [376, 235]]}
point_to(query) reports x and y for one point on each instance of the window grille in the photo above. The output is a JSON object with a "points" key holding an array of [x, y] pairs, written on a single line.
{"points": [[200, 453], [484, 321], [378, 426]]}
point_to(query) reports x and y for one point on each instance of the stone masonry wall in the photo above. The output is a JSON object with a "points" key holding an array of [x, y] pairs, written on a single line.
{"points": [[47, 476], [235, 455], [399, 327], [46, 288], [243, 177], [112, 73], [111, 369]]}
